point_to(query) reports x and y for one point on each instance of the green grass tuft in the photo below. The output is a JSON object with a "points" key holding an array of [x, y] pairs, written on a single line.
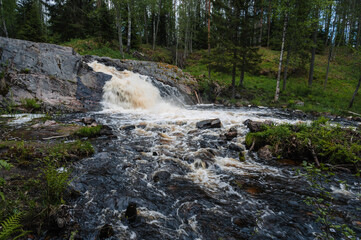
{"points": [[89, 132]]}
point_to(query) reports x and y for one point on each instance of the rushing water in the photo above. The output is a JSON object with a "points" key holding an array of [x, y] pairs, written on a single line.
{"points": [[188, 183]]}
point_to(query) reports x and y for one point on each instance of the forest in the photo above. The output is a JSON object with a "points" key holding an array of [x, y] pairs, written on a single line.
{"points": [[180, 119], [231, 37]]}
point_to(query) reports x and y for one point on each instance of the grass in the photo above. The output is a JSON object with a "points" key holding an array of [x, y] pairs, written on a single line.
{"points": [[94, 47], [30, 104], [89, 131], [259, 89]]}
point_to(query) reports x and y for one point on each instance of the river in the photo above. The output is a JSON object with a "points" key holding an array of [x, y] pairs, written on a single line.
{"points": [[188, 183]]}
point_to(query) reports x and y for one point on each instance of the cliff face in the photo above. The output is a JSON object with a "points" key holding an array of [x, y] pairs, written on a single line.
{"points": [[61, 79]]}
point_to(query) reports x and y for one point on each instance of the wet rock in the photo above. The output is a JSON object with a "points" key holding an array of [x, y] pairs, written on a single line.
{"points": [[232, 133], [106, 232], [210, 123], [265, 153], [88, 120], [128, 128], [161, 176], [142, 126], [241, 221], [205, 154], [131, 212], [256, 126], [235, 147], [106, 131]]}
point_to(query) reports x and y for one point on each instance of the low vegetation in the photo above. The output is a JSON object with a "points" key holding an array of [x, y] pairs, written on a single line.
{"points": [[259, 86], [319, 142], [37, 175], [30, 104], [97, 47], [89, 131]]}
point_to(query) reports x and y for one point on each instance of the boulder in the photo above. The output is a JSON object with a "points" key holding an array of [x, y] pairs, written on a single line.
{"points": [[210, 123], [232, 133], [265, 153], [161, 176], [235, 147], [88, 120], [256, 126]]}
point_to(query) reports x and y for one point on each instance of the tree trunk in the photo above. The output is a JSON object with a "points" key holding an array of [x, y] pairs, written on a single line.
{"points": [[342, 29], [328, 23], [119, 26], [243, 69], [176, 50], [358, 42], [313, 52], [269, 22], [286, 67], [186, 40], [261, 26], [209, 38], [277, 93], [145, 26], [129, 26], [155, 31], [234, 75], [352, 20], [3, 20], [330, 53], [355, 93]]}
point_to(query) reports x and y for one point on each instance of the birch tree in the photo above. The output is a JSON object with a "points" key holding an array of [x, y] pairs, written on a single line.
{"points": [[277, 93]]}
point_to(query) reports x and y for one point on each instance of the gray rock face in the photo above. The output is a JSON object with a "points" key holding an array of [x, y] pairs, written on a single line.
{"points": [[61, 79], [41, 58]]}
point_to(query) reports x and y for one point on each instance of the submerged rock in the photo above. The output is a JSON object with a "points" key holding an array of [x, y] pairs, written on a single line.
{"points": [[210, 123], [131, 212], [106, 232]]}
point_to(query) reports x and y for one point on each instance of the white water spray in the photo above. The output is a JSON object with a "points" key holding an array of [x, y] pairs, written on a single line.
{"points": [[129, 90]]}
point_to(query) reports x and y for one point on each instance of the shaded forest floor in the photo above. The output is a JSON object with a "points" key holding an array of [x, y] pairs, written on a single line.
{"points": [[259, 86]]}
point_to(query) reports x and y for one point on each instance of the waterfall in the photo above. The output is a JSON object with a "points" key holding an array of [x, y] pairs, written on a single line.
{"points": [[129, 90]]}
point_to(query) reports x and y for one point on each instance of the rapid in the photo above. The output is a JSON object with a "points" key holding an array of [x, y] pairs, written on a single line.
{"points": [[188, 183]]}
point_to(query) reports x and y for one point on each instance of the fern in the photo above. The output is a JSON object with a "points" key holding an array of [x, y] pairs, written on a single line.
{"points": [[11, 227], [4, 164]]}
